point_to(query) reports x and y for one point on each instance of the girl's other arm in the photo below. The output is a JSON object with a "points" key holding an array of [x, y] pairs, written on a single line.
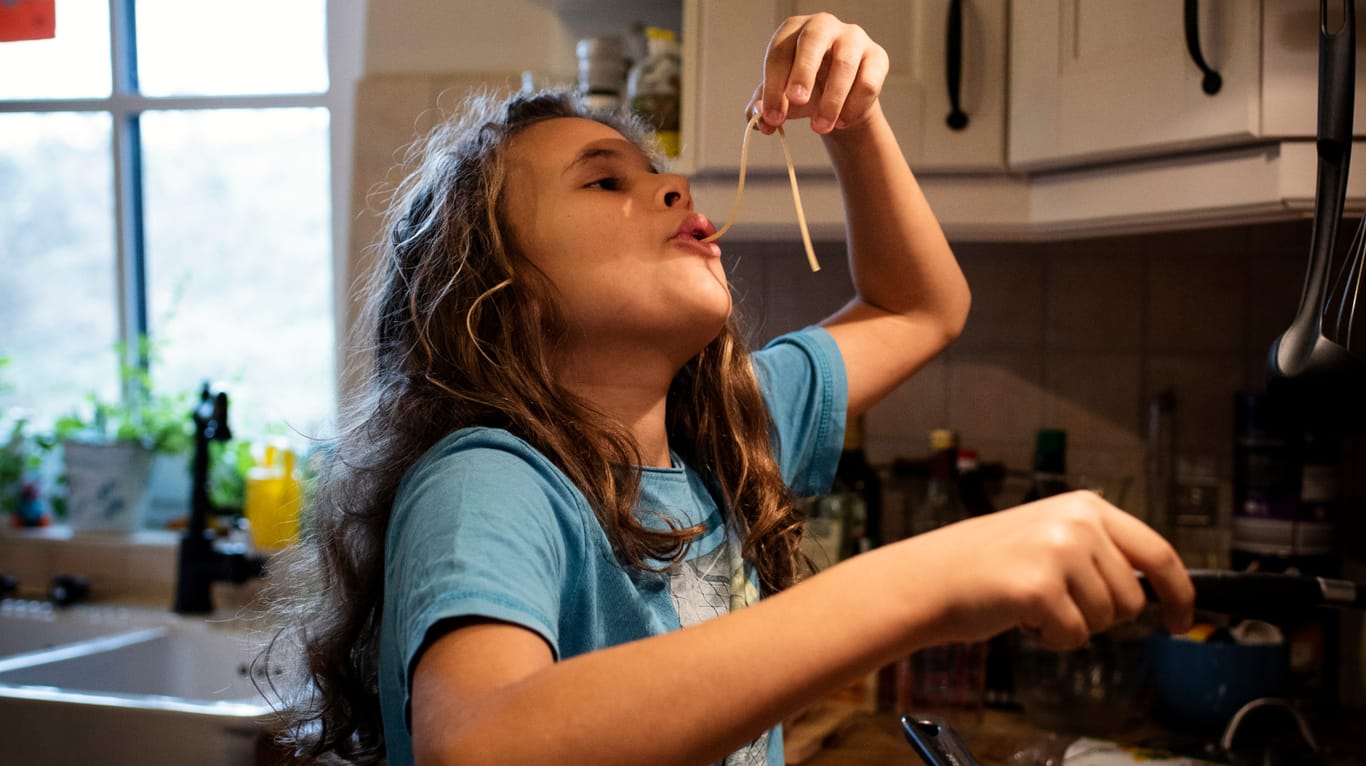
{"points": [[911, 298], [489, 692]]}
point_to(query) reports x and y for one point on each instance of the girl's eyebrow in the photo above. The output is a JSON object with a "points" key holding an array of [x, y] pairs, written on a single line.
{"points": [[610, 148]]}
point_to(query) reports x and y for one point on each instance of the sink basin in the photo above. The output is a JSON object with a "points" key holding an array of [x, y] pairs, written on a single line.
{"points": [[145, 687], [28, 626]]}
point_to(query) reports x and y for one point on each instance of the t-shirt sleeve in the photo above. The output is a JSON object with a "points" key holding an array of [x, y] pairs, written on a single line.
{"points": [[479, 530], [802, 378]]}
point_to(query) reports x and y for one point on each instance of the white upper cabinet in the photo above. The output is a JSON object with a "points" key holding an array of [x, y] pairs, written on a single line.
{"points": [[725, 42], [1101, 80], [1106, 79]]}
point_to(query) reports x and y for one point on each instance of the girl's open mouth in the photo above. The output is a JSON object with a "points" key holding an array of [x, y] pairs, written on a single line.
{"points": [[693, 230]]}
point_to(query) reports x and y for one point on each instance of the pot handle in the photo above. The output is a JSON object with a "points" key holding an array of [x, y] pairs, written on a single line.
{"points": [[1266, 595]]}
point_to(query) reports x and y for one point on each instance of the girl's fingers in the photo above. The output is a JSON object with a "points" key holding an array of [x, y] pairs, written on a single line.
{"points": [[822, 68], [1057, 621], [845, 59], [782, 48], [1126, 595], [1089, 590], [814, 41], [866, 89], [1150, 554]]}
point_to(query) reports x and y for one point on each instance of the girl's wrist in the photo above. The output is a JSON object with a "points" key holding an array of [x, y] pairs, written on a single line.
{"points": [[917, 613]]}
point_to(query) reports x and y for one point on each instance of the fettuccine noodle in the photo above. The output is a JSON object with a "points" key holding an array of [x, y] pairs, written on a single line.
{"points": [[796, 195]]}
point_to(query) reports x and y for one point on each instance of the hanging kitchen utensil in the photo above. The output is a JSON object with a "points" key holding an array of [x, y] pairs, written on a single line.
{"points": [[1324, 349]]}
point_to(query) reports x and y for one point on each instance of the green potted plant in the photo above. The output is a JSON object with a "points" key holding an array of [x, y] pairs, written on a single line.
{"points": [[21, 455], [114, 453]]}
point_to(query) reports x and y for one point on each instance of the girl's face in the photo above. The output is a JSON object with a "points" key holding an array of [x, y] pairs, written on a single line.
{"points": [[618, 240]]}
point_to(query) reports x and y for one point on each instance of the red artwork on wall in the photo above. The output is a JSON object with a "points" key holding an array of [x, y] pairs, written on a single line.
{"points": [[27, 20]]}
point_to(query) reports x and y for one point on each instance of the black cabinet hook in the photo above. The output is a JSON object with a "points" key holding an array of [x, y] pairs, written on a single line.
{"points": [[1212, 81], [957, 119]]}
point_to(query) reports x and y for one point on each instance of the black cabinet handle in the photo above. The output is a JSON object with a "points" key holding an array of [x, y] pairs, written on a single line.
{"points": [[957, 119], [1212, 82]]}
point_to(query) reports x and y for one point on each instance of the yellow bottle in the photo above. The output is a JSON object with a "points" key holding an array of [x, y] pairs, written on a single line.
{"points": [[273, 500]]}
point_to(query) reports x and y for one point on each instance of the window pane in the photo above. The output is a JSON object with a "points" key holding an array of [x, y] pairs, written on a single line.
{"points": [[239, 48], [74, 64], [239, 260], [58, 315]]}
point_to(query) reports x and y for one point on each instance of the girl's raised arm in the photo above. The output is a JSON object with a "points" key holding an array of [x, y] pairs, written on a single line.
{"points": [[911, 299]]}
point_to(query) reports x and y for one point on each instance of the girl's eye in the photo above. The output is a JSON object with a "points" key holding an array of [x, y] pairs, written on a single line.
{"points": [[606, 184]]}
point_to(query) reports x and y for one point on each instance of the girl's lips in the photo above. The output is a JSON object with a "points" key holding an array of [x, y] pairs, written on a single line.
{"points": [[706, 248], [692, 230], [697, 226]]}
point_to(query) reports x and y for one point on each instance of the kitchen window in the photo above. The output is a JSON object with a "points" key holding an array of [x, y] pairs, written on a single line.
{"points": [[168, 171]]}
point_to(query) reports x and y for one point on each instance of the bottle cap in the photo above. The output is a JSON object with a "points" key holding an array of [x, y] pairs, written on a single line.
{"points": [[967, 459], [853, 433], [942, 439], [1051, 440], [1050, 450]]}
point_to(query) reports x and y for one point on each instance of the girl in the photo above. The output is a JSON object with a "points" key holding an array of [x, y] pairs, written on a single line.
{"points": [[566, 455]]}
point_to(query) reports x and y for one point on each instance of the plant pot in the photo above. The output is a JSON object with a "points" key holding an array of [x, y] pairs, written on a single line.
{"points": [[106, 485]]}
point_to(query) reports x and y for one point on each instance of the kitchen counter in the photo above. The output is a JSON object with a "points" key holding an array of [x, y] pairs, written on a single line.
{"points": [[876, 739], [995, 736]]}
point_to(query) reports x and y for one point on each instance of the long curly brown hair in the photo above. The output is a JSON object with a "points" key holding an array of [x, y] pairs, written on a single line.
{"points": [[460, 331]]}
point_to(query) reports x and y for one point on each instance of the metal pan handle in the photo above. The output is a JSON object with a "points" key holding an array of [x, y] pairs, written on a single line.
{"points": [[1265, 595]]}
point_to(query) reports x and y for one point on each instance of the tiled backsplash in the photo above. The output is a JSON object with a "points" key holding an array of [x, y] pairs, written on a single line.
{"points": [[1077, 335]]}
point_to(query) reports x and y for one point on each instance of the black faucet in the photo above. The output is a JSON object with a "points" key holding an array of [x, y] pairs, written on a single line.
{"points": [[202, 562]]}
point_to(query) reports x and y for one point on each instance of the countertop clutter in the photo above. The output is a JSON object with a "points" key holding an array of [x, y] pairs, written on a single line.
{"points": [[848, 736]]}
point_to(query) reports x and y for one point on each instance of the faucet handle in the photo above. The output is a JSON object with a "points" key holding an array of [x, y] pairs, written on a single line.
{"points": [[65, 590], [9, 584], [211, 415]]}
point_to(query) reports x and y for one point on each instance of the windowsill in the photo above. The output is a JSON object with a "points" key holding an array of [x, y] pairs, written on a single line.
{"points": [[64, 533]]}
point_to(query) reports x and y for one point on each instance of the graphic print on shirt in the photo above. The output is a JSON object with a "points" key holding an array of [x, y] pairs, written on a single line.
{"points": [[700, 589]]}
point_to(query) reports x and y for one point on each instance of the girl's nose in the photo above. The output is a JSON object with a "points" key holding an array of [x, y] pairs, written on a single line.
{"points": [[674, 191]]}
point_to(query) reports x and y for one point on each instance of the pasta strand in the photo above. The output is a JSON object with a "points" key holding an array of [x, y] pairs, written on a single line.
{"points": [[796, 195]]}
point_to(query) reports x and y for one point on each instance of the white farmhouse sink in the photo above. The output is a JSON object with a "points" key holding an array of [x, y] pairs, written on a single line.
{"points": [[148, 688], [28, 626]]}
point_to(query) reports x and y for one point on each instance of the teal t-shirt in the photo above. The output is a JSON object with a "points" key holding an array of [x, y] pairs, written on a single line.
{"points": [[484, 525]]}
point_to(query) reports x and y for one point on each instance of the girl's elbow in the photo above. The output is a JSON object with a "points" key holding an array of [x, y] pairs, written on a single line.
{"points": [[955, 316]]}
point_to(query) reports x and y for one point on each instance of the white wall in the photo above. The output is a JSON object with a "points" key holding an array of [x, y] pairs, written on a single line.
{"points": [[407, 36], [404, 36]]}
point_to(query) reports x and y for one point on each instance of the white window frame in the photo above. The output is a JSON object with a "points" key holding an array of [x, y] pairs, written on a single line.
{"points": [[345, 40]]}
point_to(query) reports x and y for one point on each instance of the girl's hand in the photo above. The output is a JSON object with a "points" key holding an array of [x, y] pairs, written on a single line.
{"points": [[819, 67], [1062, 568]]}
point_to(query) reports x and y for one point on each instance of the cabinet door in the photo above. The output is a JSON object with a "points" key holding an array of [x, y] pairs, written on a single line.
{"points": [[727, 44], [1107, 79]]}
